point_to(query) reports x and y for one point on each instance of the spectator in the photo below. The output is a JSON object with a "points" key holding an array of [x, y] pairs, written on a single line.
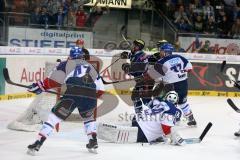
{"points": [[180, 14], [19, 6], [198, 8], [198, 24], [66, 5], [35, 16], [220, 13], [224, 27], [206, 48], [208, 10], [52, 6], [95, 13], [190, 12], [210, 26], [58, 18], [235, 12], [44, 18], [76, 3], [235, 30], [178, 47], [183, 24], [81, 17], [70, 19]]}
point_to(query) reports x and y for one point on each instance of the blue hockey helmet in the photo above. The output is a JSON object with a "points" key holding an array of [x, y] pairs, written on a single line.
{"points": [[76, 52], [167, 48]]}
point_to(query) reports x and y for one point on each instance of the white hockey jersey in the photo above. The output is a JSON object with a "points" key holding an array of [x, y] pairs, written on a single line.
{"points": [[154, 115], [173, 69]]}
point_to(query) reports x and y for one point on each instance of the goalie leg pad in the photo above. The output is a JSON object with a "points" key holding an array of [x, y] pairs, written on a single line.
{"points": [[117, 134], [64, 108]]}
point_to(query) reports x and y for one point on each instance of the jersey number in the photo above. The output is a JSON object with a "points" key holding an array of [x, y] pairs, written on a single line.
{"points": [[176, 68], [80, 69]]}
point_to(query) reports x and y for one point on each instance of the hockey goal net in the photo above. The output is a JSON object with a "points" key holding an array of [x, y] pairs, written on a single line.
{"points": [[39, 109]]}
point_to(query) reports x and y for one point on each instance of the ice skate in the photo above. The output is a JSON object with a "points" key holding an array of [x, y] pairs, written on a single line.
{"points": [[191, 121], [92, 145], [32, 148]]}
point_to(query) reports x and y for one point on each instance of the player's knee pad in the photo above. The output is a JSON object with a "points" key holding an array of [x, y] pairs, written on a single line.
{"points": [[87, 115], [185, 108], [53, 119], [63, 108]]}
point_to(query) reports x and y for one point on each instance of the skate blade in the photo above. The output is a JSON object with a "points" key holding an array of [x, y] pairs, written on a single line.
{"points": [[93, 151], [31, 152], [192, 126]]}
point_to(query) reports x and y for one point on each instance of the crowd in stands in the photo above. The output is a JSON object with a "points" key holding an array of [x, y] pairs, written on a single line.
{"points": [[60, 13], [216, 17]]}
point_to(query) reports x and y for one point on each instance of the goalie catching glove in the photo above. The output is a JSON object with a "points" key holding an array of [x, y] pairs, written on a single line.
{"points": [[37, 87]]}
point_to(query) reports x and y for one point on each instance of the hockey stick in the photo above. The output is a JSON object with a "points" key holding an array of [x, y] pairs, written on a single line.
{"points": [[201, 137], [122, 30], [9, 81], [232, 104], [120, 81], [110, 65]]}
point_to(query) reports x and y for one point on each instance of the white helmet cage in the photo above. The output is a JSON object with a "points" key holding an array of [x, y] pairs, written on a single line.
{"points": [[172, 97]]}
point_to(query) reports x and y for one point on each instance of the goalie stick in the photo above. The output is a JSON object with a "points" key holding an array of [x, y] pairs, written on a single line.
{"points": [[201, 137], [232, 104], [194, 140]]}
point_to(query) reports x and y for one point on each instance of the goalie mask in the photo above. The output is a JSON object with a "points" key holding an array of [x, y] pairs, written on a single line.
{"points": [[172, 97]]}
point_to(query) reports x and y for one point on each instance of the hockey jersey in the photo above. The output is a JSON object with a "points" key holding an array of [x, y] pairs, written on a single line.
{"points": [[173, 68], [72, 68], [157, 114]]}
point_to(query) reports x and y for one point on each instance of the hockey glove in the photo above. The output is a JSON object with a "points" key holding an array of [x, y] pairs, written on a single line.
{"points": [[36, 88], [124, 55], [126, 67]]}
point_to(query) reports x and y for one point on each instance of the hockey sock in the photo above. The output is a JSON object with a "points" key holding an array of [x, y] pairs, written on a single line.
{"points": [[90, 128], [48, 126], [185, 109]]}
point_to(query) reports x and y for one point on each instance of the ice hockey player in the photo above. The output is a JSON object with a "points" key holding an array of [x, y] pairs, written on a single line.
{"points": [[173, 70], [237, 85], [81, 86], [80, 43], [136, 68], [155, 126], [156, 56]]}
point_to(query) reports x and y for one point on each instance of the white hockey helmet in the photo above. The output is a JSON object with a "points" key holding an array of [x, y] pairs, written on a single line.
{"points": [[172, 97]]}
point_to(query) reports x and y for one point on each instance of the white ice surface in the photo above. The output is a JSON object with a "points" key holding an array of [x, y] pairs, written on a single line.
{"points": [[69, 144]]}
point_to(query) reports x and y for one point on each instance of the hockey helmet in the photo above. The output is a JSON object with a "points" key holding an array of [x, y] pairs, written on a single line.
{"points": [[161, 42], [80, 42], [172, 97], [140, 43], [167, 48], [76, 52]]}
